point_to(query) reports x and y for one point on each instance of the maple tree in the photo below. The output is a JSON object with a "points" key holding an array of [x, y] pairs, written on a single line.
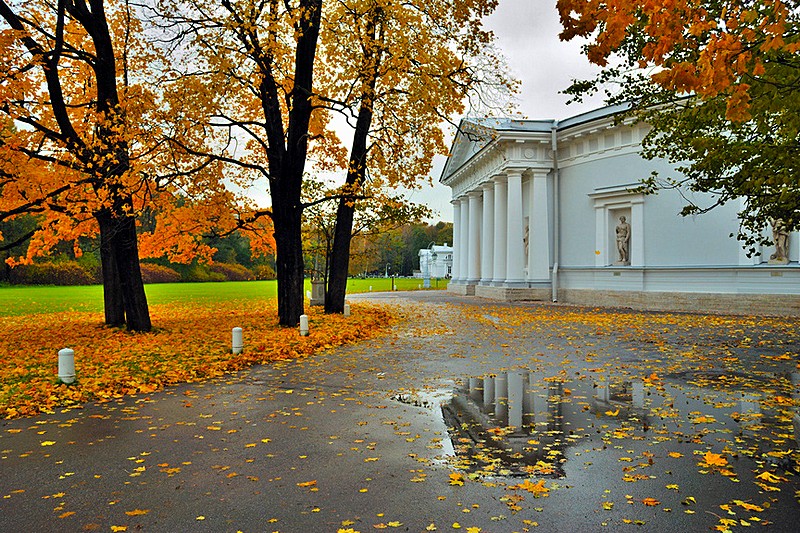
{"points": [[93, 101], [718, 84], [72, 162], [398, 86], [272, 75]]}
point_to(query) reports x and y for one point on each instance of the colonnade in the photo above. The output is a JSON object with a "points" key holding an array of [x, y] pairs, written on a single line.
{"points": [[497, 242], [516, 399]]}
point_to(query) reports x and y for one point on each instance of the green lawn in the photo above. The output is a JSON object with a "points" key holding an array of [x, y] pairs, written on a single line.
{"points": [[16, 300]]}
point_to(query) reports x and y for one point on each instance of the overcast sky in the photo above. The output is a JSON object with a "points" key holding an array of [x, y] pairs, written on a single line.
{"points": [[527, 33]]}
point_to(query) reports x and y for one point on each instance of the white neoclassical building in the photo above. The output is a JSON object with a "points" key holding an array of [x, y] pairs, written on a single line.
{"points": [[435, 261], [548, 209]]}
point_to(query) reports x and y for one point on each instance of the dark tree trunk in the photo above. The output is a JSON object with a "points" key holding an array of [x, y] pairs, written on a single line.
{"points": [[112, 289], [290, 267], [123, 288], [343, 231], [287, 162]]}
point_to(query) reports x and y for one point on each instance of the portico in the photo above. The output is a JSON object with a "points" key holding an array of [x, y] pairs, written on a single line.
{"points": [[548, 209], [505, 250]]}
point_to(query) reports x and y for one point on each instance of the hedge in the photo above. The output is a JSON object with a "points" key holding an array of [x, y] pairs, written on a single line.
{"points": [[61, 273]]}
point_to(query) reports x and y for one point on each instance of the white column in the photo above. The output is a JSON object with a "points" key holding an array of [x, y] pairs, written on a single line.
{"points": [[475, 220], [539, 234], [487, 234], [456, 269], [500, 224], [463, 255], [515, 247], [600, 237], [637, 234]]}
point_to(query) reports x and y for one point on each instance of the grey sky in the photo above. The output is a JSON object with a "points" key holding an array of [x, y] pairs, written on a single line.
{"points": [[527, 33]]}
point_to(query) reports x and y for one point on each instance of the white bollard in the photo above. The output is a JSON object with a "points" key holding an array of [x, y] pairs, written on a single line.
{"points": [[308, 294], [66, 365], [346, 309], [370, 288], [304, 325], [237, 344]]}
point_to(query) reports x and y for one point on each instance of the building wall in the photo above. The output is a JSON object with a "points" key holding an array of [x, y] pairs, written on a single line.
{"points": [[676, 262]]}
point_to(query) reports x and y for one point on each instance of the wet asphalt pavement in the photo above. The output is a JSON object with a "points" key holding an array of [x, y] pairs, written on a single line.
{"points": [[657, 428]]}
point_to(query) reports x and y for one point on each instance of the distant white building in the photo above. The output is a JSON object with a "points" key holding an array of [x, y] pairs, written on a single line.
{"points": [[548, 209], [437, 259]]}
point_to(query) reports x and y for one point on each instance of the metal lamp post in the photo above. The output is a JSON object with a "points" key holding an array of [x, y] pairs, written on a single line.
{"points": [[426, 274]]}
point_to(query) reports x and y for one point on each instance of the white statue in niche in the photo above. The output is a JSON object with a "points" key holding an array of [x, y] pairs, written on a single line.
{"points": [[526, 240], [780, 235], [623, 231]]}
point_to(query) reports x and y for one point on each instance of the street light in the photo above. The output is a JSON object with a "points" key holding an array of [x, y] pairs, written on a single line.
{"points": [[426, 275]]}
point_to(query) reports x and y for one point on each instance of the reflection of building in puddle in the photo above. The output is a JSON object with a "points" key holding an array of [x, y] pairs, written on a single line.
{"points": [[625, 399], [521, 423], [508, 424]]}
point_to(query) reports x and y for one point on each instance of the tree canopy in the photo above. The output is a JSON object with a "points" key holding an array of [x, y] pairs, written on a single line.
{"points": [[273, 76], [719, 82]]}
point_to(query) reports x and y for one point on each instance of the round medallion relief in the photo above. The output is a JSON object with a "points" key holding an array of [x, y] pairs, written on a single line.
{"points": [[529, 153]]}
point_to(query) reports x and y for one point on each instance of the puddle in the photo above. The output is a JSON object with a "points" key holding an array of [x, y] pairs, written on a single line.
{"points": [[523, 423]]}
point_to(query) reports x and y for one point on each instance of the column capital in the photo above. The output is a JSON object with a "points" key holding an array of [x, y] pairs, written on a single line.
{"points": [[515, 171]]}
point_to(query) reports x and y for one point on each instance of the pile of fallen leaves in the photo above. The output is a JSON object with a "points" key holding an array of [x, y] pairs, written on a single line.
{"points": [[190, 342]]}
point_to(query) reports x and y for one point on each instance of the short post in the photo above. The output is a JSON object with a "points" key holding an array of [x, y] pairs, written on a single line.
{"points": [[237, 344], [370, 288], [304, 325], [66, 366], [346, 309]]}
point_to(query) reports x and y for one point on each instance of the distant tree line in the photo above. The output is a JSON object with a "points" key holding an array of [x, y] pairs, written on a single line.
{"points": [[378, 252]]}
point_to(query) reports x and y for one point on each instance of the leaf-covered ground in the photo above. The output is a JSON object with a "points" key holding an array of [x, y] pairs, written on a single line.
{"points": [[191, 342], [606, 420]]}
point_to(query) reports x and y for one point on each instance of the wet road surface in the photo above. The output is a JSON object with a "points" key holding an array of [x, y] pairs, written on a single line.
{"points": [[470, 414]]}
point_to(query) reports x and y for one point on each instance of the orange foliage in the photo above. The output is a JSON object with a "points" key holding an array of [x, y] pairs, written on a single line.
{"points": [[694, 47], [192, 344]]}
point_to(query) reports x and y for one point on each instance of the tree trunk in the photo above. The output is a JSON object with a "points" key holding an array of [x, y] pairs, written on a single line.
{"points": [[343, 232], [113, 303], [340, 259], [123, 288], [289, 265]]}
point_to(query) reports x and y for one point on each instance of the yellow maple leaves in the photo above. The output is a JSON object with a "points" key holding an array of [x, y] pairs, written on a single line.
{"points": [[711, 460], [111, 363], [538, 489]]}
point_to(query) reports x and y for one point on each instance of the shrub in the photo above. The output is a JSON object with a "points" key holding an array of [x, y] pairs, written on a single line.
{"points": [[61, 273], [201, 273], [152, 273], [265, 272], [232, 271]]}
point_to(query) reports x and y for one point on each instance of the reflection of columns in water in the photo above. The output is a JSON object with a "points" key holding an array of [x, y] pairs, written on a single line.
{"points": [[539, 412], [515, 401], [501, 399], [749, 409], [527, 399], [488, 394], [602, 391], [476, 389], [637, 394], [554, 408]]}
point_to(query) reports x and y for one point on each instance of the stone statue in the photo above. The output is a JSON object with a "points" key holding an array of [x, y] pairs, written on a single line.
{"points": [[526, 239], [780, 235], [623, 242]]}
